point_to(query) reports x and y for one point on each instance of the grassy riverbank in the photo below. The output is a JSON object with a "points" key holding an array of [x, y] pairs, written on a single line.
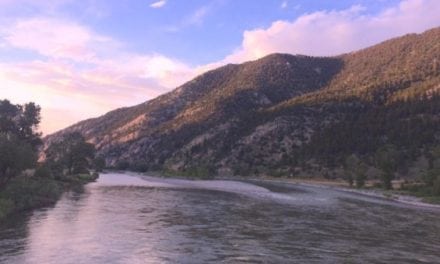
{"points": [[27, 193], [416, 196]]}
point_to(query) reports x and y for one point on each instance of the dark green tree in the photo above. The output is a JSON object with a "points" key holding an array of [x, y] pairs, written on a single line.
{"points": [[349, 164], [386, 159], [18, 139], [98, 164], [21, 121], [15, 157], [355, 171], [71, 154], [431, 177]]}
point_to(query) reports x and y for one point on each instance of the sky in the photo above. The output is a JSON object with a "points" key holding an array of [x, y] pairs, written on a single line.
{"points": [[80, 59]]}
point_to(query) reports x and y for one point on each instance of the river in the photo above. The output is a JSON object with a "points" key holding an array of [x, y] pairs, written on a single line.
{"points": [[125, 218]]}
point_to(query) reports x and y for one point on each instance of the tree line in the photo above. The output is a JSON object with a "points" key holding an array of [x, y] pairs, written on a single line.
{"points": [[21, 142]]}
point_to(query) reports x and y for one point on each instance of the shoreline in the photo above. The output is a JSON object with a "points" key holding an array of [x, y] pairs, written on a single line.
{"points": [[337, 185], [32, 193], [343, 187]]}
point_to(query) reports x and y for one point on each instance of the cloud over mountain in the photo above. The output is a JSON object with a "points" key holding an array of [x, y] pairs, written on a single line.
{"points": [[327, 33]]}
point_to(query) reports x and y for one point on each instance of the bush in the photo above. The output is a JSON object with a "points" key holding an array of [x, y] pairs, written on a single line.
{"points": [[436, 186], [122, 165], [387, 180], [6, 207], [29, 192], [99, 164], [43, 171], [200, 172], [360, 180], [87, 177], [430, 176], [139, 167], [195, 172]]}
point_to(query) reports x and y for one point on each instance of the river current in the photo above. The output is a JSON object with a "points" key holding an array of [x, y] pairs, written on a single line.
{"points": [[125, 218]]}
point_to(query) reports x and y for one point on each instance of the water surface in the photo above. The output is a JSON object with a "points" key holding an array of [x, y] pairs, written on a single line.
{"points": [[127, 219]]}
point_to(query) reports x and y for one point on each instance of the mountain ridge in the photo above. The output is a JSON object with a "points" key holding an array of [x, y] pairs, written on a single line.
{"points": [[266, 109]]}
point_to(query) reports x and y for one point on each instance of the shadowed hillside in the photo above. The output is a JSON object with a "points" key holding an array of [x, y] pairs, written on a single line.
{"points": [[284, 115]]}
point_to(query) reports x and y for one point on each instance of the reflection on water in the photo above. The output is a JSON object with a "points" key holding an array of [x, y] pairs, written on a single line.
{"points": [[126, 219]]}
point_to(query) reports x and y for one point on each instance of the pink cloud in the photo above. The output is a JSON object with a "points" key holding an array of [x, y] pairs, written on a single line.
{"points": [[326, 33], [86, 93], [56, 39], [82, 72], [86, 74]]}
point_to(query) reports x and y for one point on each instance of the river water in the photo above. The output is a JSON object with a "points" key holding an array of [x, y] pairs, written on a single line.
{"points": [[128, 219]]}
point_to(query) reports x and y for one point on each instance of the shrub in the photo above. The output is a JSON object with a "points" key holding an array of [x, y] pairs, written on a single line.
{"points": [[99, 164], [436, 186], [122, 165], [30, 192], [360, 180], [6, 207], [139, 167], [43, 171]]}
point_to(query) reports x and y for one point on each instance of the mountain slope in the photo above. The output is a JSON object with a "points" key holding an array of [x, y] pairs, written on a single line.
{"points": [[274, 114]]}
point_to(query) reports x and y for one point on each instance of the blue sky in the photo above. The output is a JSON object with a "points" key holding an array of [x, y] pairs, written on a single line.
{"points": [[196, 32], [79, 59]]}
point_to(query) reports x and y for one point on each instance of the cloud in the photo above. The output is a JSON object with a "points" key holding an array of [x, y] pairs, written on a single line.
{"points": [[198, 16], [284, 4], [32, 6], [56, 39], [158, 4], [62, 87], [81, 71], [326, 33]]}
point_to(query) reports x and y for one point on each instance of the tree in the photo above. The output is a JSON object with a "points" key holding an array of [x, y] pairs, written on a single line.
{"points": [[21, 121], [436, 185], [361, 175], [18, 139], [99, 164], [15, 157], [355, 171], [386, 159], [432, 176], [72, 154]]}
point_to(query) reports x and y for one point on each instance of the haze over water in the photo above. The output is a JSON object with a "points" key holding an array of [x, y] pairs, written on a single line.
{"points": [[128, 219]]}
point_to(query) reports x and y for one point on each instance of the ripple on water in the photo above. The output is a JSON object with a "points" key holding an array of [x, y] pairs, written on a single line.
{"points": [[128, 219]]}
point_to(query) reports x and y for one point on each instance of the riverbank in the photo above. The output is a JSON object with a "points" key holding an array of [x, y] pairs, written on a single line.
{"points": [[28, 193], [339, 185]]}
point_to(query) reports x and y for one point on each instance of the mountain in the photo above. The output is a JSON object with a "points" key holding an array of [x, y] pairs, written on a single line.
{"points": [[283, 114]]}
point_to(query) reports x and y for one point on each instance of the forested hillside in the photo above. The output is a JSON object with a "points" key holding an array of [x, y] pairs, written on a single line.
{"points": [[289, 115]]}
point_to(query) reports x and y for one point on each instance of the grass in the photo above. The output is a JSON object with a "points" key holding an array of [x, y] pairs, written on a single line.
{"points": [[195, 173], [6, 207], [26, 193], [80, 178], [431, 199], [428, 194]]}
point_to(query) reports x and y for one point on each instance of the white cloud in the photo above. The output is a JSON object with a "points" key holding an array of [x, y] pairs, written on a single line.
{"points": [[326, 33], [195, 18], [158, 4], [198, 16], [284, 4]]}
